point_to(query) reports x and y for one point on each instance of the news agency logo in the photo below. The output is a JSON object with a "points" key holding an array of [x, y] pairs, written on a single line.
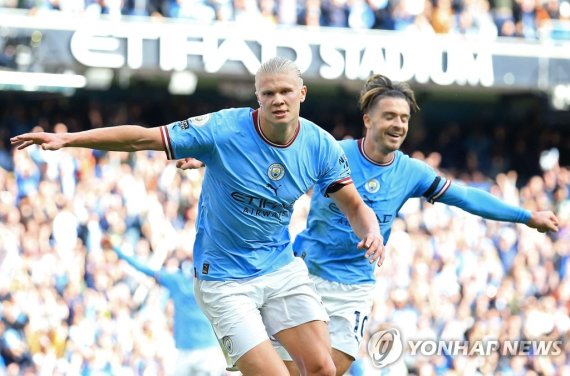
{"points": [[386, 347]]}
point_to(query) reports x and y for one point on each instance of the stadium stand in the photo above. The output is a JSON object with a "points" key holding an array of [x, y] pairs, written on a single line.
{"points": [[68, 307], [530, 19]]}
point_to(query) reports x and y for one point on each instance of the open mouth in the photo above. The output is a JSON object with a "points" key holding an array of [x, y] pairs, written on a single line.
{"points": [[394, 136]]}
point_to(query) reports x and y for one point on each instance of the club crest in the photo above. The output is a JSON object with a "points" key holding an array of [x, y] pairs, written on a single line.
{"points": [[276, 171], [372, 186]]}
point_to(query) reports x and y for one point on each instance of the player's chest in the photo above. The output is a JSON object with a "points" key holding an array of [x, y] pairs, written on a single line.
{"points": [[382, 192], [275, 175]]}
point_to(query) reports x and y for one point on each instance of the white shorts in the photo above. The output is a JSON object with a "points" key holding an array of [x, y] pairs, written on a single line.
{"points": [[246, 313], [348, 307]]}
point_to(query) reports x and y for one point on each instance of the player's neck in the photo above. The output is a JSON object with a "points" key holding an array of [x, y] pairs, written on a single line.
{"points": [[375, 154], [279, 134]]}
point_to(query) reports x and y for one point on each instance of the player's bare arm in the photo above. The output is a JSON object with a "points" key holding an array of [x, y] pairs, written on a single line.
{"points": [[363, 222], [119, 138], [543, 221]]}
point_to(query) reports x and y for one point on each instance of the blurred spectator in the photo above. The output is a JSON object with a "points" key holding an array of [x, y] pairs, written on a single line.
{"points": [[423, 21], [268, 10], [68, 307], [8, 56], [198, 351], [287, 12], [311, 15], [442, 17], [360, 15], [526, 24], [197, 11], [246, 12], [14, 349], [529, 19], [335, 13]]}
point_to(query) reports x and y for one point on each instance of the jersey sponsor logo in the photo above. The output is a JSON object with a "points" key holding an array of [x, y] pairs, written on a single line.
{"points": [[201, 120], [340, 219], [262, 207], [384, 218], [276, 171], [372, 186]]}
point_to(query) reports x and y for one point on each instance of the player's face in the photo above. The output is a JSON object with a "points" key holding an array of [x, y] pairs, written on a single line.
{"points": [[387, 124], [280, 96]]}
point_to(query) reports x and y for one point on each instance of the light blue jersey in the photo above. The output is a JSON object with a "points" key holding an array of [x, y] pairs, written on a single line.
{"points": [[328, 244], [249, 188]]}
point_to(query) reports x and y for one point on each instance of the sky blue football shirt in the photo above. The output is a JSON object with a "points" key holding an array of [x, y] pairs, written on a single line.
{"points": [[250, 187], [328, 244]]}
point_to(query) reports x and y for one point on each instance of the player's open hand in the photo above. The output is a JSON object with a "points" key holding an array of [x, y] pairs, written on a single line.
{"points": [[543, 221], [189, 164], [47, 141], [374, 245]]}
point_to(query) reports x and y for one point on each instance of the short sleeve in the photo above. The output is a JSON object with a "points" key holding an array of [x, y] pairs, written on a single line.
{"points": [[335, 169], [193, 137]]}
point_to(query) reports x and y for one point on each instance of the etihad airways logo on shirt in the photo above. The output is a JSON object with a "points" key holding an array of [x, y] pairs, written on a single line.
{"points": [[261, 207]]}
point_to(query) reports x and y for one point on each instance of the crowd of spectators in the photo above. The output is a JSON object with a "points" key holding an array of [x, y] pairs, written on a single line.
{"points": [[455, 276], [69, 306], [489, 18], [475, 140]]}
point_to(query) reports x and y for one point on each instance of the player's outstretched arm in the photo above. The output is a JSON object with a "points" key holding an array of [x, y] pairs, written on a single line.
{"points": [[131, 260], [484, 204], [363, 222], [119, 138], [543, 221]]}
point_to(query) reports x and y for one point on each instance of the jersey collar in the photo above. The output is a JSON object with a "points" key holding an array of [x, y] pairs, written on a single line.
{"points": [[256, 123], [363, 152]]}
